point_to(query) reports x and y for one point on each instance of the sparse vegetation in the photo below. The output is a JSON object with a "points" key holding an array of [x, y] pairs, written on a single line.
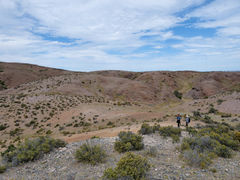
{"points": [[92, 154], [2, 169], [212, 110], [178, 94], [220, 101], [130, 166], [170, 131], [128, 141], [208, 143], [30, 150], [3, 127], [151, 151], [146, 129], [196, 114]]}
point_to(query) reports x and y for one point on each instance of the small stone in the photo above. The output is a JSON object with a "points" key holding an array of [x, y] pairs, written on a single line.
{"points": [[51, 170]]}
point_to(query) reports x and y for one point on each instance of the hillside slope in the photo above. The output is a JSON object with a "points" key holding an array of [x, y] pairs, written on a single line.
{"points": [[62, 103], [14, 74]]}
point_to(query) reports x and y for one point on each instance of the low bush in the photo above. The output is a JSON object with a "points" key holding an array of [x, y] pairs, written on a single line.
{"points": [[177, 94], [170, 131], [208, 143], [95, 137], [237, 127], [30, 150], [219, 101], [2, 85], [128, 141], [212, 110], [91, 154], [196, 114], [130, 166], [146, 129], [207, 120], [226, 115], [175, 138], [237, 136], [196, 159], [2, 169], [3, 127], [223, 151], [191, 131]]}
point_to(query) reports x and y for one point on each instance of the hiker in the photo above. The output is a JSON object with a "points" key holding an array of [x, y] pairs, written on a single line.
{"points": [[179, 120], [187, 120]]}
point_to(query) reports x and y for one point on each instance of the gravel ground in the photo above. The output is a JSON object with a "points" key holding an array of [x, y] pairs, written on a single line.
{"points": [[61, 164]]}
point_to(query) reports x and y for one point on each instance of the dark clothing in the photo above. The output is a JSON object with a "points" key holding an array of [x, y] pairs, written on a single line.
{"points": [[178, 124], [179, 120], [187, 121]]}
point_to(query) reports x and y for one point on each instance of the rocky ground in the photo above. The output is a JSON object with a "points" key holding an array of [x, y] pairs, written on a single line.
{"points": [[61, 163]]}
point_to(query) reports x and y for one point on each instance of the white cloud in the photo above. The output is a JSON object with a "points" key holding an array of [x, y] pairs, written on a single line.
{"points": [[106, 26], [220, 14]]}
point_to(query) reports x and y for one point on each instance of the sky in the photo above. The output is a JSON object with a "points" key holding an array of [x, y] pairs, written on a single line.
{"points": [[132, 35]]}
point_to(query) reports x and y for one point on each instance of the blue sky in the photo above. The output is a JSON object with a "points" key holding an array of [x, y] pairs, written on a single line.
{"points": [[144, 35]]}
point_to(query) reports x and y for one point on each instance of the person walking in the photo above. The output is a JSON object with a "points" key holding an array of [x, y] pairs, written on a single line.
{"points": [[179, 120], [187, 120]]}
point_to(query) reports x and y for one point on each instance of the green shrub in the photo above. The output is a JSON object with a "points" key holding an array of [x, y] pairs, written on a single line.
{"points": [[223, 151], [191, 131], [208, 120], [196, 114], [128, 141], [221, 133], [225, 115], [177, 94], [3, 127], [208, 143], [156, 127], [169, 131], [237, 127], [146, 129], [212, 110], [2, 85], [2, 169], [197, 159], [95, 137], [175, 138], [237, 136], [91, 154], [219, 101], [31, 150], [130, 166], [16, 132]]}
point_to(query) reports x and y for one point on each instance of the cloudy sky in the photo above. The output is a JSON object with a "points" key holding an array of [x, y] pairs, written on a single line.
{"points": [[135, 35]]}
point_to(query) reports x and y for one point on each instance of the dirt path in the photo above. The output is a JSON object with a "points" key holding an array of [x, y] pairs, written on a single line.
{"points": [[112, 132]]}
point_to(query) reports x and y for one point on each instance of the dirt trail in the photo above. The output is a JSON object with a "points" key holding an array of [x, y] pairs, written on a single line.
{"points": [[112, 132]]}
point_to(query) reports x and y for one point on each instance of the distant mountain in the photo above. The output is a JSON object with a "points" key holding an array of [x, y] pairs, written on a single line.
{"points": [[152, 87], [14, 74]]}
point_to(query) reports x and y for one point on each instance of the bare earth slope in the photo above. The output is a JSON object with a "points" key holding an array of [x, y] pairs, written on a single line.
{"points": [[14, 74]]}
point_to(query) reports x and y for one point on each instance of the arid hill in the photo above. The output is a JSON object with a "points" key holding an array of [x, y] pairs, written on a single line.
{"points": [[38, 100], [14, 74], [151, 87]]}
